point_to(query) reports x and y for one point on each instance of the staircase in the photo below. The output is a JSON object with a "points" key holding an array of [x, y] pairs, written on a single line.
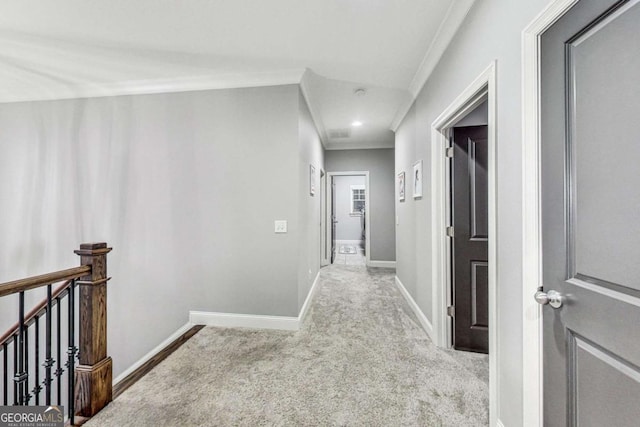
{"points": [[56, 353]]}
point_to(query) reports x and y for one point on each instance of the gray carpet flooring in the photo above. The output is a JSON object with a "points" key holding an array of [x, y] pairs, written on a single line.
{"points": [[360, 359]]}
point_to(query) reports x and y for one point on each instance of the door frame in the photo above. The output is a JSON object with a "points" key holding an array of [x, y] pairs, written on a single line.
{"points": [[323, 220], [481, 89], [532, 359], [367, 218]]}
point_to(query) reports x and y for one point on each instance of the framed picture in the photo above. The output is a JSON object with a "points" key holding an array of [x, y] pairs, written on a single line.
{"points": [[401, 186], [417, 179], [312, 180]]}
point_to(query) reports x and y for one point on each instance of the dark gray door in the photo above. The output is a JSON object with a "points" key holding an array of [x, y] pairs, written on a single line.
{"points": [[470, 242], [590, 82]]}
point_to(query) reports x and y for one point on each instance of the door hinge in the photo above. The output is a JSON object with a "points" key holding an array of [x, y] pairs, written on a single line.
{"points": [[448, 152], [450, 231], [451, 311]]}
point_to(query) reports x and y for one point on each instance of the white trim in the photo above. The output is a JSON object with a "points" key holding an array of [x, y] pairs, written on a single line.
{"points": [[227, 320], [499, 423], [426, 325], [324, 245], [367, 219], [448, 28], [382, 264], [182, 84], [231, 320], [355, 187], [315, 114], [348, 242], [532, 360], [307, 301], [144, 359], [483, 86]]}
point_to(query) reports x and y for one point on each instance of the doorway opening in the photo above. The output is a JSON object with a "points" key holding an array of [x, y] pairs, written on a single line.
{"points": [[469, 241], [347, 201], [468, 219], [324, 259]]}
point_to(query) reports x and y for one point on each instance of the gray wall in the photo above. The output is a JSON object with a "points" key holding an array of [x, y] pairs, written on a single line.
{"points": [[491, 31], [380, 164], [310, 153], [348, 227], [184, 186]]}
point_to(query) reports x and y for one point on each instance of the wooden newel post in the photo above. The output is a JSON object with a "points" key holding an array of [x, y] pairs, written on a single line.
{"points": [[94, 373]]}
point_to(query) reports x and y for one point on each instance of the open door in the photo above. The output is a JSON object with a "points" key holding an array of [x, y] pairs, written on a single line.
{"points": [[470, 237], [590, 198]]}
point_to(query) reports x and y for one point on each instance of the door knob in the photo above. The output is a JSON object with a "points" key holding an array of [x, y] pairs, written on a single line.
{"points": [[553, 298]]}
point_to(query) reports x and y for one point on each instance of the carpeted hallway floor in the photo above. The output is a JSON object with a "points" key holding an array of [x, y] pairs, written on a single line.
{"points": [[360, 359]]}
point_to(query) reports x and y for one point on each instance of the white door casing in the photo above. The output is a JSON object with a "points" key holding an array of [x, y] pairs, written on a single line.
{"points": [[481, 89], [367, 197], [532, 240]]}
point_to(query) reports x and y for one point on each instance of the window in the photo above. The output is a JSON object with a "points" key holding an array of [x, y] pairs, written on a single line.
{"points": [[357, 199]]}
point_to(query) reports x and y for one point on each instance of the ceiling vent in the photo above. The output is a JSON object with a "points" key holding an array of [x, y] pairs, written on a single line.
{"points": [[339, 133]]}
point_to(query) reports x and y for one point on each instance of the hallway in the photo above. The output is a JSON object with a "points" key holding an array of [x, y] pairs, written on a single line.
{"points": [[360, 359]]}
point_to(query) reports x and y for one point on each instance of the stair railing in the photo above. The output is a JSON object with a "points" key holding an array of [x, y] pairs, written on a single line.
{"points": [[38, 371]]}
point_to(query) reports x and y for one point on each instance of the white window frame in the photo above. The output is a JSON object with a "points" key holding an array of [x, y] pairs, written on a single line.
{"points": [[351, 196]]}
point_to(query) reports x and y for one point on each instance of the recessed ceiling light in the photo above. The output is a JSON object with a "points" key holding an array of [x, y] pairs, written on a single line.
{"points": [[356, 123]]}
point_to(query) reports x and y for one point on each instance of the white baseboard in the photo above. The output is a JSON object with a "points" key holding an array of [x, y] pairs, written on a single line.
{"points": [[231, 320], [307, 301], [348, 242], [228, 320], [426, 325], [144, 359], [382, 264]]}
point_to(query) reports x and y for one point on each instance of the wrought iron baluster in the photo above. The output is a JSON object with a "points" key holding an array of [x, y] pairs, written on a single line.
{"points": [[21, 376], [48, 363], [25, 386], [15, 369], [5, 369], [59, 371], [37, 387], [71, 351]]}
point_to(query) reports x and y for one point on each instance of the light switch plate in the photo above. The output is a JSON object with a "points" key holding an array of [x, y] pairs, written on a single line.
{"points": [[281, 226]]}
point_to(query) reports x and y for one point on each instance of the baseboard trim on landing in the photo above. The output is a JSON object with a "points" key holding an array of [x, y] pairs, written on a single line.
{"points": [[381, 264], [426, 325], [307, 301], [231, 320], [348, 242], [150, 360]]}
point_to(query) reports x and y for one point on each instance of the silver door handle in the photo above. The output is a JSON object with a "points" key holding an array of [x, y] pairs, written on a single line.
{"points": [[553, 298]]}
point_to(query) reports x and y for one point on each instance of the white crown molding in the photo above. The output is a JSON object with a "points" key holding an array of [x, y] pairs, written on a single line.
{"points": [[448, 28], [355, 145], [151, 86], [315, 114]]}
